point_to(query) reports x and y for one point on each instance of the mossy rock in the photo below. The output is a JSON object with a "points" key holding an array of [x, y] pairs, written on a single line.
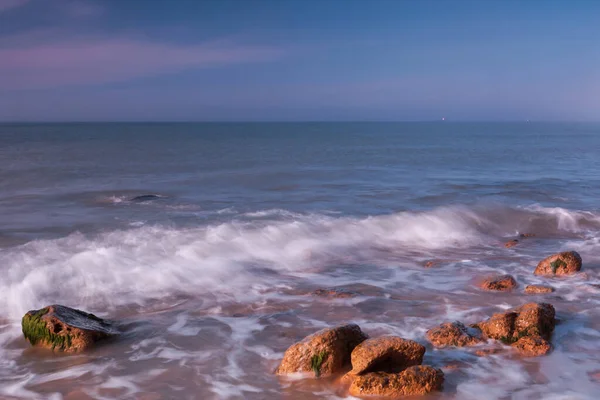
{"points": [[65, 329]]}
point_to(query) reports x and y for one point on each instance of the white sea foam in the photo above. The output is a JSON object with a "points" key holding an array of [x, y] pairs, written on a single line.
{"points": [[149, 262]]}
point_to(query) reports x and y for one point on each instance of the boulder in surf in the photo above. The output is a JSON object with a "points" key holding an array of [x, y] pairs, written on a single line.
{"points": [[323, 353], [65, 329]]}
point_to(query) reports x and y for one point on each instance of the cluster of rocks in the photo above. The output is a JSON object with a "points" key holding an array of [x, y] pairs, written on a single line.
{"points": [[387, 366], [527, 328], [565, 263]]}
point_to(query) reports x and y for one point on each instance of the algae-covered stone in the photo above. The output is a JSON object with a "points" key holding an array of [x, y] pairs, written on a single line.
{"points": [[565, 263], [323, 353], [66, 329]]}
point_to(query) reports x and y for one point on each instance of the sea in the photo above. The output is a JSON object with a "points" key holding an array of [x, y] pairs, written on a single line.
{"points": [[215, 272]]}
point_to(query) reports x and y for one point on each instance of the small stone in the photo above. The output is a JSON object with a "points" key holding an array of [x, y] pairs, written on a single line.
{"points": [[511, 243], [334, 293], [66, 329], [565, 263], [487, 352], [323, 353], [386, 353], [527, 235], [532, 346], [538, 289], [454, 334], [500, 283], [415, 380]]}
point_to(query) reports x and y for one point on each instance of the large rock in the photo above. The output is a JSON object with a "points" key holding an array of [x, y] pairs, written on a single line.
{"points": [[565, 263], [500, 283], [386, 353], [323, 353], [454, 334], [529, 320], [535, 319], [499, 326], [415, 380], [62, 328], [532, 346]]}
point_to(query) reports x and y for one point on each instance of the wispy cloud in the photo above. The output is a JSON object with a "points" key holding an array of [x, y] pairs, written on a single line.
{"points": [[105, 60], [6, 5]]}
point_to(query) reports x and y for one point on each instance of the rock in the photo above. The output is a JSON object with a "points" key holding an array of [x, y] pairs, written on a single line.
{"points": [[500, 326], [62, 328], [487, 352], [511, 243], [145, 197], [527, 235], [535, 319], [565, 263], [323, 353], [334, 293], [431, 263], [532, 346], [500, 283], [532, 319], [386, 353], [415, 380], [454, 334], [537, 289]]}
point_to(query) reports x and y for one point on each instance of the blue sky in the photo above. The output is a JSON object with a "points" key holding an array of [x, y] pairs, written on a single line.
{"points": [[135, 60]]}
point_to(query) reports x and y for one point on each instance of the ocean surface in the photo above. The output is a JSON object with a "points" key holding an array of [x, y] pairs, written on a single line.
{"points": [[213, 278]]}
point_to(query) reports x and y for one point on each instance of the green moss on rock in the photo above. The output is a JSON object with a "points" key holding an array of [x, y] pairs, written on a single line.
{"points": [[36, 331], [316, 361]]}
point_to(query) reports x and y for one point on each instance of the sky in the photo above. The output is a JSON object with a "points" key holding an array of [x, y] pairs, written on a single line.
{"points": [[305, 60]]}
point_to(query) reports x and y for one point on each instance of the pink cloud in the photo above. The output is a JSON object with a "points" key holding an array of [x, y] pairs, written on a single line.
{"points": [[97, 61], [6, 5]]}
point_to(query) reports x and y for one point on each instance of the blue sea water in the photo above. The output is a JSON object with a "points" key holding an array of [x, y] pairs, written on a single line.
{"points": [[213, 275]]}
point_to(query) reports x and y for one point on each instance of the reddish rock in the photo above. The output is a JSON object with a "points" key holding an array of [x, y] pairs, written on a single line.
{"points": [[386, 353], [532, 319], [500, 326], [565, 263], [535, 319], [527, 235], [511, 243], [538, 289], [416, 380], [500, 283], [335, 293], [323, 353], [66, 329], [454, 334], [487, 352], [431, 263], [532, 346]]}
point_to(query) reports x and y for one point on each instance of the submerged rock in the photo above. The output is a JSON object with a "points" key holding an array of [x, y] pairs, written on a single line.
{"points": [[144, 197], [415, 380], [537, 289], [532, 346], [529, 320], [323, 353], [62, 328], [565, 263], [454, 334], [335, 293], [500, 283], [511, 243], [386, 353]]}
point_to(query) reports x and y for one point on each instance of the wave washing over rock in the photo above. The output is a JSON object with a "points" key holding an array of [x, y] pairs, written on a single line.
{"points": [[264, 234], [226, 299]]}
